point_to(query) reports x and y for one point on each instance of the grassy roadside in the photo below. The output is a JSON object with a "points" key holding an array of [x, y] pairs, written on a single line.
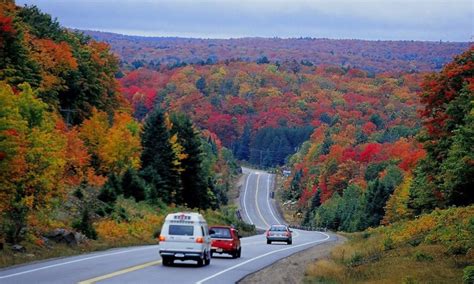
{"points": [[137, 224], [435, 248]]}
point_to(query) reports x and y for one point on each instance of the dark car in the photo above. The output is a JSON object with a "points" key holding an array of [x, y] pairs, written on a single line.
{"points": [[279, 233], [225, 239]]}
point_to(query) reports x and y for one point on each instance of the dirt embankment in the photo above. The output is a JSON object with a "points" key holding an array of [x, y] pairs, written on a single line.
{"points": [[292, 269]]}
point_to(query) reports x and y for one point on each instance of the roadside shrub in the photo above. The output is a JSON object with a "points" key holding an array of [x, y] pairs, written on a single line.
{"points": [[388, 243], [415, 242], [468, 277], [157, 233], [421, 256], [84, 225], [356, 259]]}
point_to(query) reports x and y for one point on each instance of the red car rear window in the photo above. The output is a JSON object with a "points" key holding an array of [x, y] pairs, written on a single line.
{"points": [[221, 233]]}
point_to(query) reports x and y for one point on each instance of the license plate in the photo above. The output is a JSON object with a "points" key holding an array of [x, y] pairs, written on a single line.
{"points": [[179, 255], [219, 250]]}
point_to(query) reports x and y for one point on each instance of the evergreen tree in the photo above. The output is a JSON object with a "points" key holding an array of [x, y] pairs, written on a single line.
{"points": [[158, 158], [327, 143], [295, 187], [111, 189], [350, 210], [315, 203], [375, 197], [195, 184], [378, 193], [201, 85], [458, 169], [133, 185], [84, 225]]}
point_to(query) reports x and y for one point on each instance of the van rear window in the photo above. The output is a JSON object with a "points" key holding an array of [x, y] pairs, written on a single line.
{"points": [[181, 230]]}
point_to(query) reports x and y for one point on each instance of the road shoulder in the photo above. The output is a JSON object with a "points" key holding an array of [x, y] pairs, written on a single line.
{"points": [[292, 269]]}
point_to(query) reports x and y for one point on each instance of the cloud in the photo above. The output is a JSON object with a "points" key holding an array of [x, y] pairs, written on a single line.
{"points": [[369, 19]]}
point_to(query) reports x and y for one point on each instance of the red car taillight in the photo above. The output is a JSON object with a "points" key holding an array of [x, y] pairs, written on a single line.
{"points": [[268, 233], [199, 240]]}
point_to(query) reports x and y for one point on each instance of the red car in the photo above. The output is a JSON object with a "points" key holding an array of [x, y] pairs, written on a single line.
{"points": [[225, 239]]}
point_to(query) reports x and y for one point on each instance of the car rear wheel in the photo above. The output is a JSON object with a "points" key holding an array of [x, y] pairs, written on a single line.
{"points": [[239, 252], [268, 242]]}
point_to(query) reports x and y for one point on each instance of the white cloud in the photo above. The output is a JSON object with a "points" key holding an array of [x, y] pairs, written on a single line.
{"points": [[369, 19]]}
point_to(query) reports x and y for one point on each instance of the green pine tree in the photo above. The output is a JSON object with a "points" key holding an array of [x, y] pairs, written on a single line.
{"points": [[157, 159], [193, 178]]}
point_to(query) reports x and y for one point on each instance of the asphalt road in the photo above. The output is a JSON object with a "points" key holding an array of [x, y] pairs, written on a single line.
{"points": [[143, 264], [257, 206]]}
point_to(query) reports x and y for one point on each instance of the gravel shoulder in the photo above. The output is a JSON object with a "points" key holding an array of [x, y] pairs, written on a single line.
{"points": [[292, 269]]}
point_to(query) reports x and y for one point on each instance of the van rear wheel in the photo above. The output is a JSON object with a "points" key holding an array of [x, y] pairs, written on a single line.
{"points": [[167, 261], [207, 260], [200, 262]]}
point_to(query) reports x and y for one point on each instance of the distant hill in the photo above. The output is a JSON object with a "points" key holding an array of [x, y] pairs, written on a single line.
{"points": [[372, 56]]}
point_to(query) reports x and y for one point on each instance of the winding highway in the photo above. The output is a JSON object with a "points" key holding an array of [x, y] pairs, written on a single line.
{"points": [[143, 264]]}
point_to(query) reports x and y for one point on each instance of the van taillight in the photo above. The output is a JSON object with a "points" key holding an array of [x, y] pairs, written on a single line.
{"points": [[199, 240], [161, 238]]}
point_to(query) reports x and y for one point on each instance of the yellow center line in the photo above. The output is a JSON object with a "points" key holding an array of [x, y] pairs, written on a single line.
{"points": [[120, 272]]}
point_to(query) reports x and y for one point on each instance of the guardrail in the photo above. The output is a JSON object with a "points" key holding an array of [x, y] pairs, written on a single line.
{"points": [[308, 228]]}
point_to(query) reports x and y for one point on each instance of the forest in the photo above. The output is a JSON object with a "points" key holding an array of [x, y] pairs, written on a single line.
{"points": [[398, 173], [107, 137], [371, 56], [72, 155]]}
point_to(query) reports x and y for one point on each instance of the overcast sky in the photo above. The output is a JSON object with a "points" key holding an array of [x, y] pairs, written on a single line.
{"points": [[434, 20]]}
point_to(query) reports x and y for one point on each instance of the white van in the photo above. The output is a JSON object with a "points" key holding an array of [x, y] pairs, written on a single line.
{"points": [[185, 236]]}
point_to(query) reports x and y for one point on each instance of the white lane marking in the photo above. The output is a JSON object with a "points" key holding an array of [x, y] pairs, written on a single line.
{"points": [[69, 262], [260, 256], [268, 199], [245, 198], [256, 202]]}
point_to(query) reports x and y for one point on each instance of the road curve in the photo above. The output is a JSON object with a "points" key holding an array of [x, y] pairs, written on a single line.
{"points": [[143, 264]]}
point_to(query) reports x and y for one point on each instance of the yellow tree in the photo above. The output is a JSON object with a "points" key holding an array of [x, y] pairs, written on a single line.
{"points": [[121, 148], [396, 208], [32, 162], [93, 132], [177, 148]]}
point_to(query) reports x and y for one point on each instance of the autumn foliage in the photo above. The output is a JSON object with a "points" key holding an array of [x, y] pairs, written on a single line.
{"points": [[69, 145], [368, 139]]}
